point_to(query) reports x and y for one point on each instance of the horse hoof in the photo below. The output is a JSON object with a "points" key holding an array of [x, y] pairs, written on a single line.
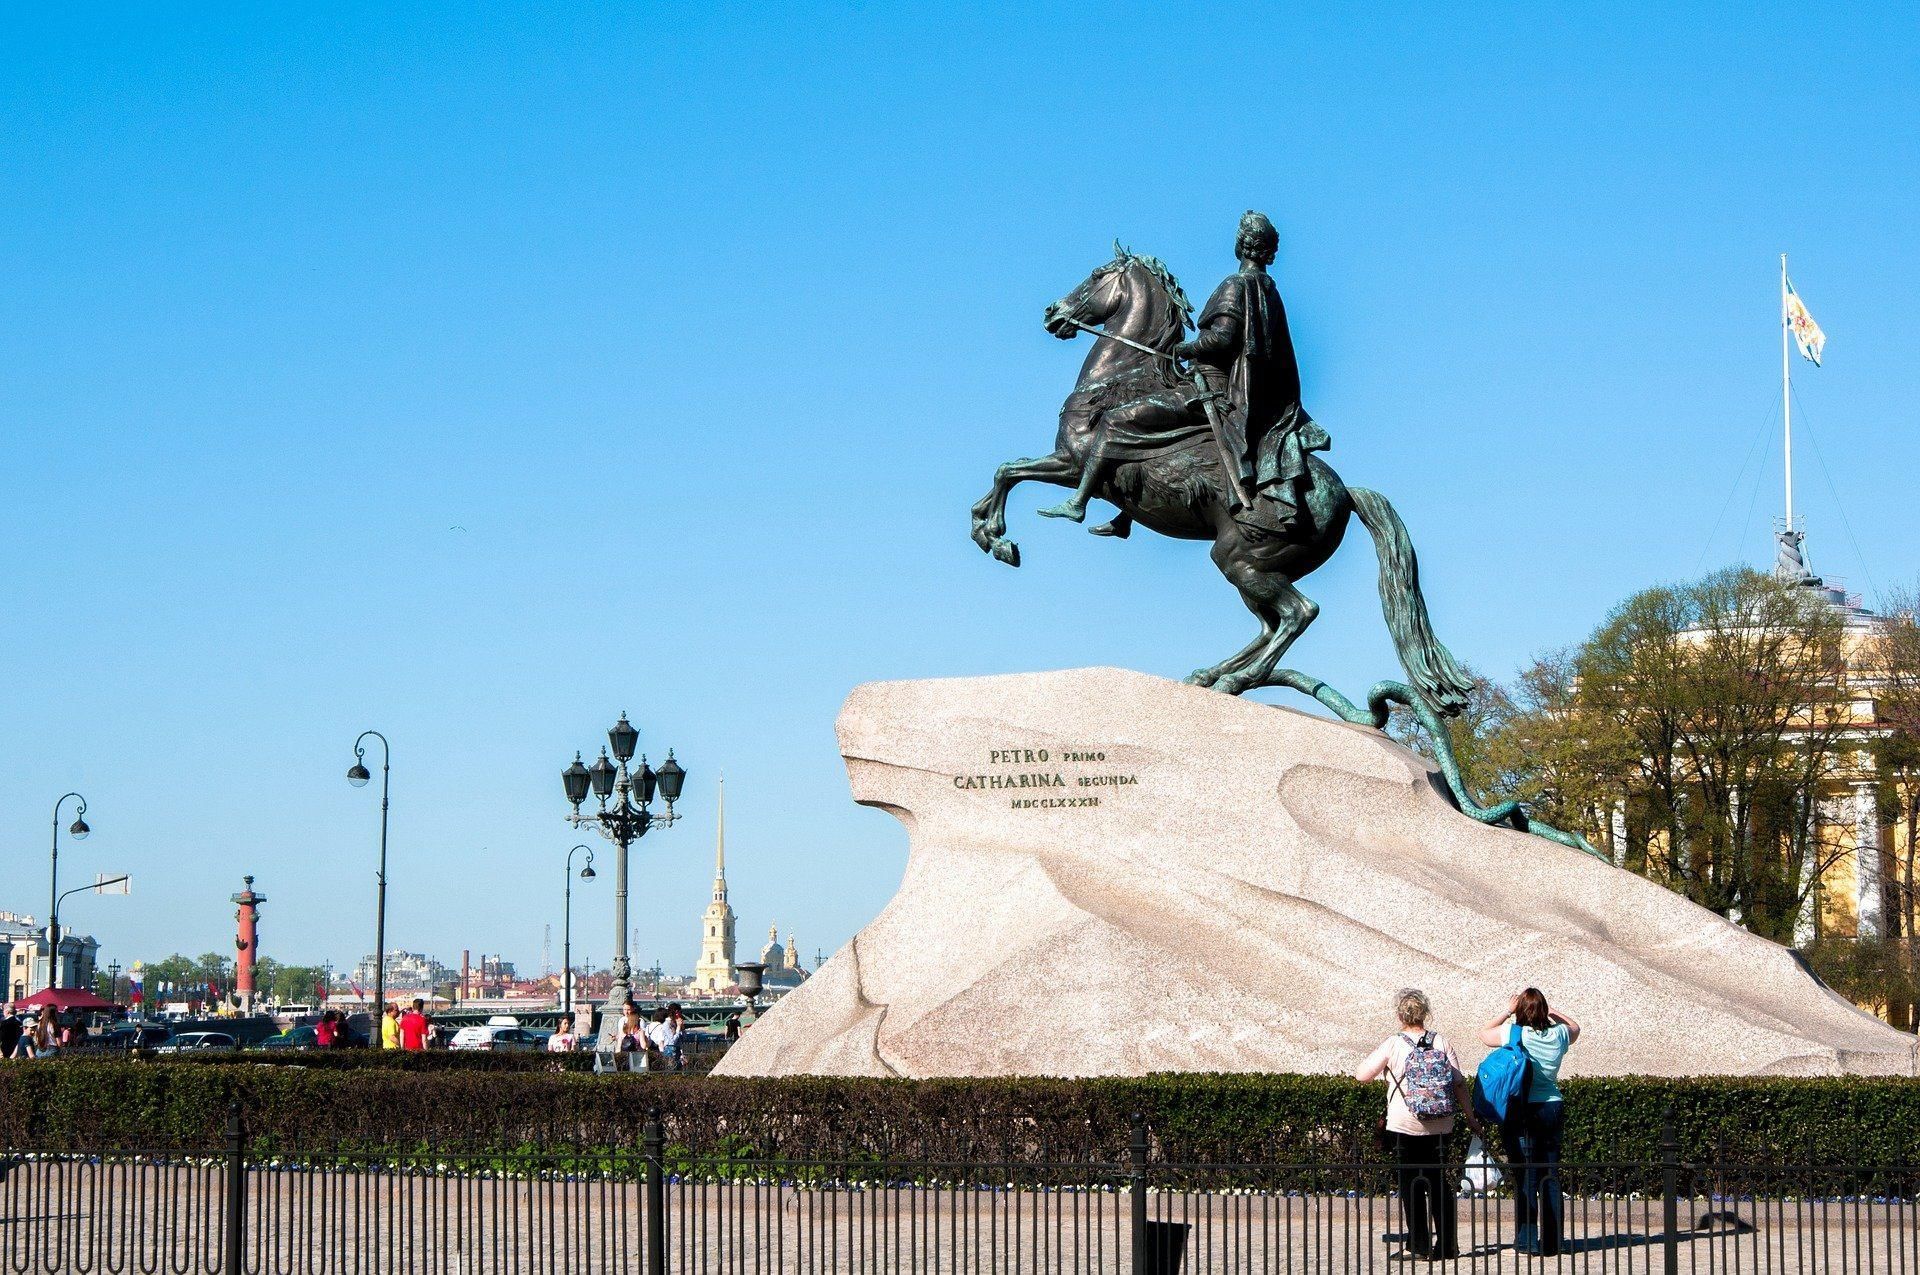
{"points": [[1203, 677], [1232, 685], [1008, 552]]}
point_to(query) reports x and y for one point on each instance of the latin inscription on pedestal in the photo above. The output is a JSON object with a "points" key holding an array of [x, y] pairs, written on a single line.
{"points": [[1046, 778]]}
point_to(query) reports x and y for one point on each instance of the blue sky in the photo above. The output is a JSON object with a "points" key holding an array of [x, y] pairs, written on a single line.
{"points": [[477, 373]]}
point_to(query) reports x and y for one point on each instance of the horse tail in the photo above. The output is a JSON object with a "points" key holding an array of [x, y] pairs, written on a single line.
{"points": [[1430, 666]]}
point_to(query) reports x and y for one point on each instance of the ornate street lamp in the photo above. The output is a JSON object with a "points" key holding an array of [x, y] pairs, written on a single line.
{"points": [[78, 832], [358, 776], [566, 927], [113, 981], [625, 796]]}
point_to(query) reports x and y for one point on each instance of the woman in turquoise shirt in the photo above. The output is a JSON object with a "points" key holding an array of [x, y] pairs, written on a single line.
{"points": [[1533, 1128]]}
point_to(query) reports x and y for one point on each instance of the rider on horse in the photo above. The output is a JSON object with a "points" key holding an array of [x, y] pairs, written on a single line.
{"points": [[1243, 353]]}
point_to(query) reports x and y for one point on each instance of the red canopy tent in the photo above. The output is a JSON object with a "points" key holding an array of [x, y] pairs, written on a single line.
{"points": [[66, 998]]}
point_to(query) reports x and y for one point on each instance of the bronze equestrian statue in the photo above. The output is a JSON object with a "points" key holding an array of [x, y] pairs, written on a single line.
{"points": [[1206, 439]]}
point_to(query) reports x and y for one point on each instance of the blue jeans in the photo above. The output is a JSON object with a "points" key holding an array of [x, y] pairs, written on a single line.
{"points": [[1532, 1133]]}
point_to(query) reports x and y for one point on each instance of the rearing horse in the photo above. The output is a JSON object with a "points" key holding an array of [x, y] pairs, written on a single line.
{"points": [[1162, 469]]}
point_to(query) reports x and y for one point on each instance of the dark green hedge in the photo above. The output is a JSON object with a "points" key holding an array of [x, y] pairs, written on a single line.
{"points": [[1232, 1119], [433, 1060]]}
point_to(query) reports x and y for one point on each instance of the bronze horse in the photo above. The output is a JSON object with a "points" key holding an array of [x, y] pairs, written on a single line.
{"points": [[1164, 471]]}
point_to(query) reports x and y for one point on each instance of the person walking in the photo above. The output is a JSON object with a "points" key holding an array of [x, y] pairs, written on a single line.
{"points": [[676, 1029], [733, 1028], [633, 1038], [43, 1035], [563, 1041], [1425, 1091], [323, 1031], [390, 1027], [414, 1027], [1535, 1125], [656, 1035], [11, 1030]]}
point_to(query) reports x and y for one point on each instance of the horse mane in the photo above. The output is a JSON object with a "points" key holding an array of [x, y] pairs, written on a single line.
{"points": [[1176, 296]]}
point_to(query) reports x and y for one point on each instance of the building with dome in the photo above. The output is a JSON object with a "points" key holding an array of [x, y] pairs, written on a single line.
{"points": [[783, 971]]}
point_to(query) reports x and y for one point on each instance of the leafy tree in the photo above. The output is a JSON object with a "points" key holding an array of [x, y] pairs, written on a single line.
{"points": [[1897, 701], [1709, 716]]}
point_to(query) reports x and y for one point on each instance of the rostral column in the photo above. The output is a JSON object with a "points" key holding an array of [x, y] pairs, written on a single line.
{"points": [[246, 944]]}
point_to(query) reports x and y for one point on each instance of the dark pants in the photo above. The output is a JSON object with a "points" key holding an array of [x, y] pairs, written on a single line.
{"points": [[1532, 1133], [1425, 1184]]}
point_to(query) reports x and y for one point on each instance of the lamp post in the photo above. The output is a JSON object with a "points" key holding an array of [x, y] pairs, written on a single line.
{"points": [[79, 832], [357, 776], [53, 925], [113, 981], [624, 822], [566, 927]]}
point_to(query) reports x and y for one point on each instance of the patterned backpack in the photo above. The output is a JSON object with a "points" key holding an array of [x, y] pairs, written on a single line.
{"points": [[1427, 1080]]}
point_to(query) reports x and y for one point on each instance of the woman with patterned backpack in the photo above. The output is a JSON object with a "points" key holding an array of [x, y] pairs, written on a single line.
{"points": [[1426, 1090]]}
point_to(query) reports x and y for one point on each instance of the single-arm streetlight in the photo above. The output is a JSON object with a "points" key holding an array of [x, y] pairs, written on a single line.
{"points": [[79, 832], [357, 776], [53, 923], [566, 927], [624, 822]]}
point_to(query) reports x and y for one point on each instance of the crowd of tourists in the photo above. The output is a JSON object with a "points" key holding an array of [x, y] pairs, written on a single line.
{"points": [[1516, 1087], [36, 1037]]}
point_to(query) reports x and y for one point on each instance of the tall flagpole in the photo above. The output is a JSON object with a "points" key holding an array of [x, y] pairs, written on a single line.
{"points": [[1786, 388]]}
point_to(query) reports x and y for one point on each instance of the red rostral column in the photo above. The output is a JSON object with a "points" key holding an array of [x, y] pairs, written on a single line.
{"points": [[246, 943]]}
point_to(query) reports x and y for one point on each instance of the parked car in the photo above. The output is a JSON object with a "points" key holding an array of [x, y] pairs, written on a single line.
{"points": [[503, 1039], [186, 1041], [121, 1039], [297, 1038]]}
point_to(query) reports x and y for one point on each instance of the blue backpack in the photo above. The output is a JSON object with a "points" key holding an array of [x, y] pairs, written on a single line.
{"points": [[1500, 1085]]}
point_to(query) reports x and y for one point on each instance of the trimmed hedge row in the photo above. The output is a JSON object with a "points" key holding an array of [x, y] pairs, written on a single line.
{"points": [[1222, 1119], [364, 1059]]}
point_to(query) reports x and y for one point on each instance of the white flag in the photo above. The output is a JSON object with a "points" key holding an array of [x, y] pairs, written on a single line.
{"points": [[1806, 333]]}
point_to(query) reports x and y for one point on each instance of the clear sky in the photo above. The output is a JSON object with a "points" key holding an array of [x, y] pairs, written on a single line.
{"points": [[476, 373]]}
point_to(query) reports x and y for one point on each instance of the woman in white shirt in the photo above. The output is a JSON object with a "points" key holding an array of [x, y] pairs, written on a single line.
{"points": [[1425, 1087]]}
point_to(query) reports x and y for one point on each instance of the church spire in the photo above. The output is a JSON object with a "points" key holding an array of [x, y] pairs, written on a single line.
{"points": [[720, 848]]}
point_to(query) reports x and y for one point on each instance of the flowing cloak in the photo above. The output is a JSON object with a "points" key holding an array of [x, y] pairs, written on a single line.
{"points": [[1243, 335]]}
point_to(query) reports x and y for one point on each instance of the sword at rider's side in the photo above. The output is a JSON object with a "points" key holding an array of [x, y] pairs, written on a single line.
{"points": [[1209, 401]]}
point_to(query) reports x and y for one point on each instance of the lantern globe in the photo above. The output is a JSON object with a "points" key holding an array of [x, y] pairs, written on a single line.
{"points": [[603, 773], [576, 779], [671, 778], [623, 737]]}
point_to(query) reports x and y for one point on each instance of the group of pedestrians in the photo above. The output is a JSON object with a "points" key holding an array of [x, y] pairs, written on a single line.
{"points": [[653, 1043], [1427, 1091], [41, 1040], [411, 1030]]}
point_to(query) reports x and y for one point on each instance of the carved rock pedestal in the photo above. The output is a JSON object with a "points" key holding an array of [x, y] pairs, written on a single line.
{"points": [[1114, 874]]}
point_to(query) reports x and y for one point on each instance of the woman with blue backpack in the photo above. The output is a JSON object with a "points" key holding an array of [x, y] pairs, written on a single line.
{"points": [[1425, 1091], [1524, 1074]]}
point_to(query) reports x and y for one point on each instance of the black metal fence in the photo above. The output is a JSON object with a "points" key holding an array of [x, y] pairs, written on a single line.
{"points": [[662, 1209]]}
